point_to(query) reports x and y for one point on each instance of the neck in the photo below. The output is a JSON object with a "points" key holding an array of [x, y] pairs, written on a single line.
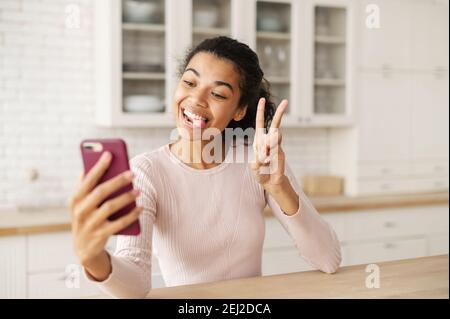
{"points": [[199, 154]]}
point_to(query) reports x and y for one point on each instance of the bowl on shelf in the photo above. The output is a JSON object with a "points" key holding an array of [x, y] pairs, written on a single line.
{"points": [[206, 17], [270, 24], [143, 103], [141, 11]]}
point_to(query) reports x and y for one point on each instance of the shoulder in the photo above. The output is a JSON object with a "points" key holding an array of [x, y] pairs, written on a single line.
{"points": [[147, 162]]}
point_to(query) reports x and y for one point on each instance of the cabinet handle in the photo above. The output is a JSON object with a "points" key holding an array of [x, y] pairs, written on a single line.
{"points": [[389, 245], [385, 170], [439, 72], [385, 186], [389, 224], [300, 119], [308, 119], [438, 168], [63, 277], [386, 70], [438, 184]]}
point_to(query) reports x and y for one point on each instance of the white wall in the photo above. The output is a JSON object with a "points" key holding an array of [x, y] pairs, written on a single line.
{"points": [[46, 105]]}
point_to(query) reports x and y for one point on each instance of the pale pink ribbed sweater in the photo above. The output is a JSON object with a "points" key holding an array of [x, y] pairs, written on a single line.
{"points": [[208, 225]]}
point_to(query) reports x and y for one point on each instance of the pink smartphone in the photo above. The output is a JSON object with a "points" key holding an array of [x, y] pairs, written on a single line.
{"points": [[91, 151]]}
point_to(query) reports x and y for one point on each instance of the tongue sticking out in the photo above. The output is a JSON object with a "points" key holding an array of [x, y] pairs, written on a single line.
{"points": [[198, 123]]}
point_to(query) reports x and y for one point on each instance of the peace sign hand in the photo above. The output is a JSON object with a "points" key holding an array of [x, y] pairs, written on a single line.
{"points": [[269, 162]]}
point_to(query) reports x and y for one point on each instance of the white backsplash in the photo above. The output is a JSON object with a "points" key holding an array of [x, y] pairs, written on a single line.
{"points": [[47, 106]]}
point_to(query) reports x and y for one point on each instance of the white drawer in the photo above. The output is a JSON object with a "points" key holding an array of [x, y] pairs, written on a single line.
{"points": [[60, 284], [379, 187], [281, 261], [439, 168], [52, 251], [276, 235], [429, 185], [337, 222], [383, 170], [420, 220], [438, 244], [372, 252]]}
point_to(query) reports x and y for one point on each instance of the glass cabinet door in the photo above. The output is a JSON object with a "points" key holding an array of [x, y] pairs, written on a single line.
{"points": [[273, 45], [210, 18], [330, 62], [143, 56]]}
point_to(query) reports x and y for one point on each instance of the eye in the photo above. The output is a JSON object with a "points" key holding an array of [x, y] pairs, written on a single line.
{"points": [[188, 83], [218, 96]]}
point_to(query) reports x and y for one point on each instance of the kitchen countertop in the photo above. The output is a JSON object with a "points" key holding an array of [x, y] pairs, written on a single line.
{"points": [[32, 221], [426, 277]]}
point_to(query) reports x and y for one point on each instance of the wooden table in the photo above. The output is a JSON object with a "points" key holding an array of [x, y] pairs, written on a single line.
{"points": [[412, 278]]}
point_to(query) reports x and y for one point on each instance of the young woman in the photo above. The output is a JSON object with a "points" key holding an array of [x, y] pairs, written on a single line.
{"points": [[203, 220]]}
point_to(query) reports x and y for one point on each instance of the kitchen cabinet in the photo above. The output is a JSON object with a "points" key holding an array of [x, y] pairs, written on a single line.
{"points": [[13, 267], [429, 117], [366, 236], [332, 57], [430, 35], [411, 35], [210, 19], [45, 266], [384, 122], [373, 252], [403, 133], [137, 60], [400, 142], [388, 46]]}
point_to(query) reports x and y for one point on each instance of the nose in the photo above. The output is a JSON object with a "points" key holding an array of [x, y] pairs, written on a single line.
{"points": [[198, 97]]}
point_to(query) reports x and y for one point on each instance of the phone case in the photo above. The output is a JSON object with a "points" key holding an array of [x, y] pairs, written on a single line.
{"points": [[119, 164]]}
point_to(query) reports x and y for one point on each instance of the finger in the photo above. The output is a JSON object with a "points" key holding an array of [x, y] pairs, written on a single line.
{"points": [[260, 114], [81, 176], [263, 149], [276, 121], [102, 191], [111, 206], [73, 199], [114, 227], [274, 139], [93, 176]]}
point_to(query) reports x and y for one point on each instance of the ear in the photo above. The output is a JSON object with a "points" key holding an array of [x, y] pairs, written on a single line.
{"points": [[240, 113]]}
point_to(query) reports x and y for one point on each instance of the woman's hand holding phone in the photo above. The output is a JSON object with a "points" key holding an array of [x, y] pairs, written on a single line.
{"points": [[89, 211]]}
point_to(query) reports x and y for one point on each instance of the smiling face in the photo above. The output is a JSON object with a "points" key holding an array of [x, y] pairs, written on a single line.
{"points": [[207, 95]]}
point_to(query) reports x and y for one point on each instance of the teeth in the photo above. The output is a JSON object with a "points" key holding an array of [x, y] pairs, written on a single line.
{"points": [[194, 116]]}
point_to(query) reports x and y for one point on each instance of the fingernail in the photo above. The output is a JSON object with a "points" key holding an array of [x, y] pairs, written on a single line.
{"points": [[136, 192], [106, 156], [267, 161]]}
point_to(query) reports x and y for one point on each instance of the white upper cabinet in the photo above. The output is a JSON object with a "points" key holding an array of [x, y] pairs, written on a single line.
{"points": [[384, 120], [389, 45], [429, 118], [430, 35], [210, 18], [411, 35], [139, 45], [330, 63], [276, 44]]}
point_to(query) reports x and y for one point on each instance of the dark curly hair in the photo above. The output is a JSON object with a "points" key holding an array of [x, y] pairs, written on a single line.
{"points": [[252, 84]]}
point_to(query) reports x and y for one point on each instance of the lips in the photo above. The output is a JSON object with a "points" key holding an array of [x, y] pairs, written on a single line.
{"points": [[194, 120]]}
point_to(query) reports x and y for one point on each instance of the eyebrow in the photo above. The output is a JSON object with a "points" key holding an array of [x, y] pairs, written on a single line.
{"points": [[228, 85]]}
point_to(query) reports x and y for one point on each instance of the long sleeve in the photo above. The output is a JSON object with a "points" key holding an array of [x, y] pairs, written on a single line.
{"points": [[131, 261], [314, 238]]}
